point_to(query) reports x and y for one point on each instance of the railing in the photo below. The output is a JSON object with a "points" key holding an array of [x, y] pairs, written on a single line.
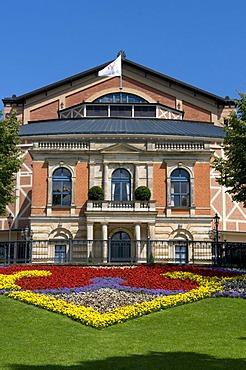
{"points": [[179, 146], [132, 206], [233, 254], [61, 145], [123, 252]]}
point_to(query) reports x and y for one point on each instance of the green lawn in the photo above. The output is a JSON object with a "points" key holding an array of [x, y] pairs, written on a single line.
{"points": [[209, 334]]}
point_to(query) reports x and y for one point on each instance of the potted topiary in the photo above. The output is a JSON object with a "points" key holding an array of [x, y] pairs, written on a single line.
{"points": [[96, 193], [142, 193]]}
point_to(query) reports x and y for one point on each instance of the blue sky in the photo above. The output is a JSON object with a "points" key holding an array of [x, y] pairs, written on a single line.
{"points": [[201, 43]]}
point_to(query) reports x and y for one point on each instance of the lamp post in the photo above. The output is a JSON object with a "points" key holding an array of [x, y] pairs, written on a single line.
{"points": [[27, 235], [10, 221], [215, 235], [216, 227]]}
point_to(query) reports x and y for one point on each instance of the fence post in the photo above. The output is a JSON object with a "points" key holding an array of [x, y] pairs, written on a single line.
{"points": [[109, 249], [30, 250], [149, 252]]}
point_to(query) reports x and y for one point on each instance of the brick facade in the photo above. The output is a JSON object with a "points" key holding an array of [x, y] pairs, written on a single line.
{"points": [[159, 186], [145, 157]]}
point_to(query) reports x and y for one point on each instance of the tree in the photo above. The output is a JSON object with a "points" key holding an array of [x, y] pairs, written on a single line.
{"points": [[232, 168], [10, 161]]}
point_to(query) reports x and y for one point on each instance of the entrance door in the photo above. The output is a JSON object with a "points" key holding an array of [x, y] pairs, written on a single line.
{"points": [[181, 254], [60, 253], [120, 248]]}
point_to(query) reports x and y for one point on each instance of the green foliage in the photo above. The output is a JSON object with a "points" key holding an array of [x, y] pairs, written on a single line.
{"points": [[232, 168], [10, 161], [151, 259], [142, 193], [96, 193], [90, 259]]}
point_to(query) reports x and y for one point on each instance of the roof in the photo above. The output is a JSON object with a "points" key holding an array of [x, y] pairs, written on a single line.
{"points": [[95, 70], [130, 126]]}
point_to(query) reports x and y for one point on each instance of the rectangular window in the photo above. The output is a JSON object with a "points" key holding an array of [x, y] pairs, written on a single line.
{"points": [[181, 254], [96, 111], [60, 254], [120, 111], [144, 111]]}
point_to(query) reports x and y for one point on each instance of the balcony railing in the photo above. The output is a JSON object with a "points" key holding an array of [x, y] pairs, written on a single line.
{"points": [[115, 205]]}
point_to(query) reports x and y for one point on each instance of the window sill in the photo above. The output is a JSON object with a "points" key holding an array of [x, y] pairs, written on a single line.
{"points": [[57, 206]]}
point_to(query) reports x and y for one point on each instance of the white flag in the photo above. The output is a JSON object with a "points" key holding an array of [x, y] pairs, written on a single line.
{"points": [[113, 69]]}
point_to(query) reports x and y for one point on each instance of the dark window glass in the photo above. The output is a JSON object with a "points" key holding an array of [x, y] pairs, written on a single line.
{"points": [[119, 111], [180, 188], [121, 185], [141, 111], [61, 187], [60, 253], [181, 254], [96, 110], [120, 98]]}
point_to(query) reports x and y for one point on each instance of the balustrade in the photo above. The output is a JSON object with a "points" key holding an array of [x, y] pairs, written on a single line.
{"points": [[109, 205]]}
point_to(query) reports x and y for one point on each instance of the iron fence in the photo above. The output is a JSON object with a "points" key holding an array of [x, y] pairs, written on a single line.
{"points": [[124, 252]]}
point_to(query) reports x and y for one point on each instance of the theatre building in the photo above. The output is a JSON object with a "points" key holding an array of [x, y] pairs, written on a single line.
{"points": [[120, 131]]}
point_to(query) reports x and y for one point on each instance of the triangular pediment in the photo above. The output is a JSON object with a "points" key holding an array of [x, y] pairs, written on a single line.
{"points": [[121, 148]]}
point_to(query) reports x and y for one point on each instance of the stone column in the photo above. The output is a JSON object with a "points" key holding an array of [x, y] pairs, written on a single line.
{"points": [[105, 181], [105, 241], [91, 174], [89, 240], [149, 169], [151, 231], [137, 241], [136, 177]]}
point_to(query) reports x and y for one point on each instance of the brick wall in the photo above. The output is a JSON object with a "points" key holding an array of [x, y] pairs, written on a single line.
{"points": [[194, 113], [113, 83], [159, 186], [39, 195], [202, 187], [81, 186], [47, 111]]}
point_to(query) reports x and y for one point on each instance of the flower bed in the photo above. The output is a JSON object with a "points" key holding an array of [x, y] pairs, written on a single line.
{"points": [[104, 296]]}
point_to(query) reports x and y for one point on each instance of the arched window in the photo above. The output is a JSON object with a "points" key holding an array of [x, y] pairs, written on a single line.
{"points": [[180, 188], [121, 185], [120, 98], [61, 187]]}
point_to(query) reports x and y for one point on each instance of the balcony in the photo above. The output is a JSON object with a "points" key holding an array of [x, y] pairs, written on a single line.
{"points": [[120, 206], [121, 110]]}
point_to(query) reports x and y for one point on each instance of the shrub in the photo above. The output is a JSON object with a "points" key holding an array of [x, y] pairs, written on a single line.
{"points": [[142, 193], [96, 193]]}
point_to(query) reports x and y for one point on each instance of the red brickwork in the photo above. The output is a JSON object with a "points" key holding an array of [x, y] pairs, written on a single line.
{"points": [[159, 186], [47, 111], [202, 185], [85, 94], [39, 195], [81, 186], [113, 83], [155, 94], [194, 113]]}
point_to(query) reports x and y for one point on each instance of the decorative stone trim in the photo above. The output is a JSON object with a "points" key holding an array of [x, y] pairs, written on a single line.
{"points": [[179, 146], [61, 145]]}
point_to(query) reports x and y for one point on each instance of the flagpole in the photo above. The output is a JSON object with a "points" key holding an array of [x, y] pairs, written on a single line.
{"points": [[121, 82]]}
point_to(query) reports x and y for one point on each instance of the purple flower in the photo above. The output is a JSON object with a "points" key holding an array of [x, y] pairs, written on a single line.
{"points": [[109, 282]]}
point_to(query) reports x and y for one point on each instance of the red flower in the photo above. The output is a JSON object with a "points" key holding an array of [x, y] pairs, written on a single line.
{"points": [[139, 276]]}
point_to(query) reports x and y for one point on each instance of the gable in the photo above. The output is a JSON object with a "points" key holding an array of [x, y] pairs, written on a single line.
{"points": [[45, 103], [120, 148]]}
